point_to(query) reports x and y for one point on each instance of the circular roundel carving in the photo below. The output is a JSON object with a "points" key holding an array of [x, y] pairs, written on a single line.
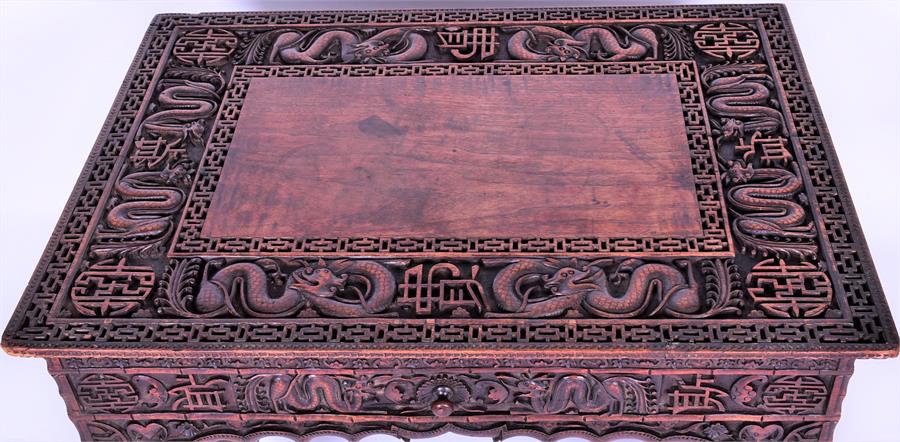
{"points": [[106, 393], [727, 41], [795, 395], [205, 47]]}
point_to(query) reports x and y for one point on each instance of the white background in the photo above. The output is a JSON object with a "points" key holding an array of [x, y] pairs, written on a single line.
{"points": [[61, 64]]}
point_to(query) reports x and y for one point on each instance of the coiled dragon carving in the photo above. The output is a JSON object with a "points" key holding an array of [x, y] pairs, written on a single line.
{"points": [[603, 43], [767, 201], [534, 288], [141, 212], [739, 95], [342, 288], [145, 202], [769, 221], [188, 98], [521, 288], [395, 45], [614, 395], [281, 393]]}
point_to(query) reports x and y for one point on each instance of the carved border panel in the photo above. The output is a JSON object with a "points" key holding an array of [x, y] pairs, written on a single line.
{"points": [[714, 240], [801, 277], [233, 398]]}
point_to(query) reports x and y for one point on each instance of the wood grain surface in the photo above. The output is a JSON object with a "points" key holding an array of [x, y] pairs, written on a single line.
{"points": [[488, 156]]}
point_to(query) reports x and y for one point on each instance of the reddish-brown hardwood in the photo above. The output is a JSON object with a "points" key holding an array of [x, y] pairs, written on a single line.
{"points": [[581, 221], [456, 156]]}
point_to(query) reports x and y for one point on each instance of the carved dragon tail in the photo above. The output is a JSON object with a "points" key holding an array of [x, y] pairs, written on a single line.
{"points": [[262, 50]]}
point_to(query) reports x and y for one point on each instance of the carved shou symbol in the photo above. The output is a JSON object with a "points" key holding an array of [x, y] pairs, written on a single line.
{"points": [[106, 393], [795, 395], [603, 43], [205, 47], [772, 150], [467, 43], [112, 290], [727, 41], [783, 395], [701, 396], [790, 290], [443, 289], [212, 395]]}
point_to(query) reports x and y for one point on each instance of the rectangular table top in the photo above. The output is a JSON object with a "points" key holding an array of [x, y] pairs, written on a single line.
{"points": [[594, 180]]}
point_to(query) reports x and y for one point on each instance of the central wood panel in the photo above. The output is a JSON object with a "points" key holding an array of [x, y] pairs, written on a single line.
{"points": [[458, 156]]}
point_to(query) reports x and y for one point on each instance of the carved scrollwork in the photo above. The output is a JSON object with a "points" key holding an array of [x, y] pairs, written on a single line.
{"points": [[786, 205], [491, 394]]}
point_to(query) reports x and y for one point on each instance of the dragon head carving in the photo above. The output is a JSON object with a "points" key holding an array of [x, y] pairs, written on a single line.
{"points": [[570, 280], [371, 50], [565, 49], [319, 281]]}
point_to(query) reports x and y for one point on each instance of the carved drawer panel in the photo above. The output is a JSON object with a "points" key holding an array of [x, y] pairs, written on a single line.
{"points": [[547, 222]]}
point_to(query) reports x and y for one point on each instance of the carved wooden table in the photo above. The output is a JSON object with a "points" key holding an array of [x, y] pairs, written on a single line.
{"points": [[544, 222]]}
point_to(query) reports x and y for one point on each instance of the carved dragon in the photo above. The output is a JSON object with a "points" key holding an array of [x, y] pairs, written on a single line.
{"points": [[189, 96], [615, 395], [282, 393], [521, 288], [321, 285], [543, 43], [770, 222], [324, 288], [395, 45], [142, 210], [739, 95], [566, 392]]}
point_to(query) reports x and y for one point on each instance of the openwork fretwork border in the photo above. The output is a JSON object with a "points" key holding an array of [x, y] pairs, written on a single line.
{"points": [[40, 324], [714, 238]]}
